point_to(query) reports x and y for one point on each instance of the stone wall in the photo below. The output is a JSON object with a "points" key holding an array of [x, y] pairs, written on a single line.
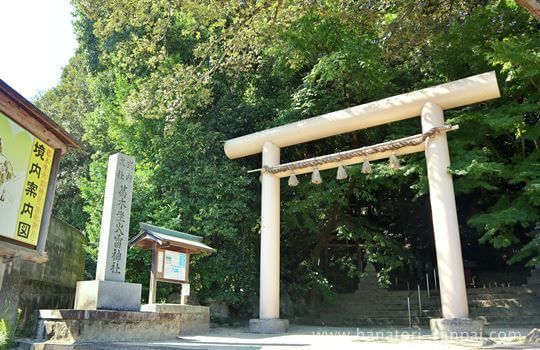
{"points": [[31, 286]]}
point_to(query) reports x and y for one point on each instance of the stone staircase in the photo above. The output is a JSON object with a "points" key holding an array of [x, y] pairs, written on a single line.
{"points": [[518, 306], [370, 305]]}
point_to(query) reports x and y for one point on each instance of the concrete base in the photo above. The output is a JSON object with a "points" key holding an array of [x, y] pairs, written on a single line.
{"points": [[193, 318], [456, 327], [268, 326], [107, 295], [80, 326]]}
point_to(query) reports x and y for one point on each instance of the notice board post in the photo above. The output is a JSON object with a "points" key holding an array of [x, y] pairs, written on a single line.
{"points": [[153, 278]]}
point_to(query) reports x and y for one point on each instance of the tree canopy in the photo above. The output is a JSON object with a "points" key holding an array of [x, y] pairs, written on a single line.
{"points": [[169, 81]]}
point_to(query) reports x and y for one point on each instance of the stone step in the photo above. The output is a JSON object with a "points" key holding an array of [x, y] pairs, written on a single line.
{"points": [[510, 318], [434, 298], [507, 302], [424, 296], [502, 301], [339, 320], [361, 308], [502, 292], [473, 304], [397, 309], [376, 312], [496, 302], [509, 306], [491, 312], [366, 321], [500, 305], [387, 302], [403, 320], [433, 313], [503, 289], [514, 320], [387, 315], [501, 297], [382, 306]]}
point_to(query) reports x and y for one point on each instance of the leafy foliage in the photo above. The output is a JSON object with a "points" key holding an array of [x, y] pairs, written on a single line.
{"points": [[7, 329]]}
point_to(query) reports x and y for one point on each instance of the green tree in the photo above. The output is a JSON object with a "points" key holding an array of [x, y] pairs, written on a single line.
{"points": [[69, 103]]}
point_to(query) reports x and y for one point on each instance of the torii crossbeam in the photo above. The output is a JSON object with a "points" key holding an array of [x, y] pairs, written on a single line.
{"points": [[428, 103]]}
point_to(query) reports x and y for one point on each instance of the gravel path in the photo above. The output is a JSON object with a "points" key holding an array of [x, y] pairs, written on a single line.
{"points": [[336, 338]]}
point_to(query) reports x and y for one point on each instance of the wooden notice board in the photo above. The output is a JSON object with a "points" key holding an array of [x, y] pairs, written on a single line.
{"points": [[172, 266], [170, 256]]}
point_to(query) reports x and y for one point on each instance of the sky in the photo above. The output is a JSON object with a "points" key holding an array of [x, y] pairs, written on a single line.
{"points": [[37, 40]]}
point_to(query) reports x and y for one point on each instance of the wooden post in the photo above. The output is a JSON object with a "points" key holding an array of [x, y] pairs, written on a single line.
{"points": [[153, 280], [47, 211], [184, 298]]}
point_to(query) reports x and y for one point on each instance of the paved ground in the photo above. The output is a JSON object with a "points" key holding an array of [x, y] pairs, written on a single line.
{"points": [[306, 337]]}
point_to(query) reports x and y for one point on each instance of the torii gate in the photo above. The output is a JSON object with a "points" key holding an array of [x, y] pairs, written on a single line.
{"points": [[428, 103]]}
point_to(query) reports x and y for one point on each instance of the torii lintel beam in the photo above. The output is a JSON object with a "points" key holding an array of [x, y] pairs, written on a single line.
{"points": [[458, 93]]}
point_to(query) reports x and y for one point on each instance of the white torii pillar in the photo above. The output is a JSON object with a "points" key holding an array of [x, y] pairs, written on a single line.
{"points": [[445, 221], [270, 221], [269, 321]]}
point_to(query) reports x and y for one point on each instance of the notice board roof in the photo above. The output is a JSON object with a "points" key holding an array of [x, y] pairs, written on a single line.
{"points": [[170, 239], [11, 102]]}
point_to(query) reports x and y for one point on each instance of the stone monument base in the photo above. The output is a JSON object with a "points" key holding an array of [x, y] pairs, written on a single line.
{"points": [[456, 327], [107, 295], [193, 318], [82, 326], [268, 325]]}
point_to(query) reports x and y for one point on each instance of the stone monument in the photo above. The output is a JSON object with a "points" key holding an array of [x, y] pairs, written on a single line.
{"points": [[109, 291], [107, 309]]}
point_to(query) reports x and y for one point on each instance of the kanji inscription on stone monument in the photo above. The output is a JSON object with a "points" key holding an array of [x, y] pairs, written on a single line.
{"points": [[114, 236]]}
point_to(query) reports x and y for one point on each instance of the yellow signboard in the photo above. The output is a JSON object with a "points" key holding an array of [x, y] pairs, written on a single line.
{"points": [[25, 167]]}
